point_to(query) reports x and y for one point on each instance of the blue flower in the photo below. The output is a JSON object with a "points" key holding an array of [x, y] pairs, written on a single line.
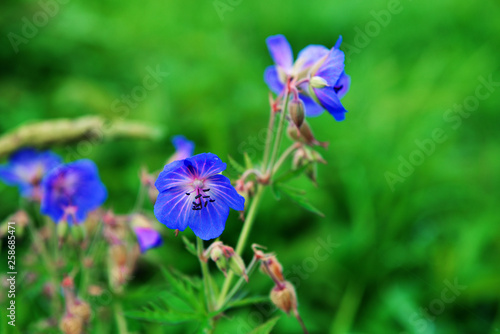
{"points": [[71, 191], [26, 168], [147, 237], [193, 194], [313, 61], [183, 148]]}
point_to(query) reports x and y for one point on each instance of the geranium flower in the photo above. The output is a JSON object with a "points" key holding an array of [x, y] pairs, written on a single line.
{"points": [[193, 194], [313, 61], [71, 191], [26, 168]]}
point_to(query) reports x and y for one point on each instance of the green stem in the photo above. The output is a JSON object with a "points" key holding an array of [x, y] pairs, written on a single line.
{"points": [[277, 141], [283, 157], [120, 320], [348, 308], [242, 240], [209, 295], [240, 282], [269, 138]]}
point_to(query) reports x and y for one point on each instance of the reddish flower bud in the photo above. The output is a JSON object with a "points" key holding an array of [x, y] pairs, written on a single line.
{"points": [[271, 267], [284, 297]]}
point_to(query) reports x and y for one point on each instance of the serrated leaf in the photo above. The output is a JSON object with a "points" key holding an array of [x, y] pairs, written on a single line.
{"points": [[298, 196], [184, 288], [189, 246], [266, 327], [239, 168]]}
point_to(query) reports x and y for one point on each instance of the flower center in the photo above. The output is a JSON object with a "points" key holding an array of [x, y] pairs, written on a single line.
{"points": [[198, 184], [202, 195]]}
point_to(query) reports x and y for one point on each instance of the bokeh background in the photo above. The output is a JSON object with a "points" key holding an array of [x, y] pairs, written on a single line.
{"points": [[398, 246]]}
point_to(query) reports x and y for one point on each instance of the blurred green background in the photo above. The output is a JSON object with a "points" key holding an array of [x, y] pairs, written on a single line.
{"points": [[398, 247]]}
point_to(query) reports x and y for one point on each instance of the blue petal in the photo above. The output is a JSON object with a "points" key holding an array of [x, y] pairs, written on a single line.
{"points": [[210, 221], [332, 67], [330, 101], [173, 175], [8, 176], [222, 190], [147, 238], [184, 147], [174, 209], [339, 41], [311, 108], [205, 164], [342, 85], [281, 52], [272, 79], [310, 54]]}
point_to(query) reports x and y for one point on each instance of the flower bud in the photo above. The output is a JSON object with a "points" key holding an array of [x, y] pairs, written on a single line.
{"points": [[217, 255], [284, 297], [77, 232], [226, 258], [271, 267], [237, 265], [118, 254], [71, 324], [318, 82], [81, 309], [296, 109], [62, 229]]}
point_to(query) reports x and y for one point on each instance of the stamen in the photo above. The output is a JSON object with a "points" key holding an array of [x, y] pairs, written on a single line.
{"points": [[206, 196], [188, 194], [197, 196], [212, 200], [206, 204], [205, 190]]}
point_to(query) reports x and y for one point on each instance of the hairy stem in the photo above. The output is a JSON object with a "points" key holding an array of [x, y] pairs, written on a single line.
{"points": [[247, 226], [269, 138], [279, 133], [283, 157], [209, 295]]}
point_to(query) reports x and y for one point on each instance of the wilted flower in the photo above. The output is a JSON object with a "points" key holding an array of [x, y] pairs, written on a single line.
{"points": [[26, 168], [193, 194], [71, 191], [318, 73]]}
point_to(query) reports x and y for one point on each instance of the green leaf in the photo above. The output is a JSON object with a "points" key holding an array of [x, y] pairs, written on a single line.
{"points": [[248, 161], [266, 327], [298, 196], [180, 302], [239, 168], [290, 174], [189, 246], [248, 301]]}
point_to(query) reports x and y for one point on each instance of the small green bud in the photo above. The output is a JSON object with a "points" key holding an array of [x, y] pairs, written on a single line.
{"points": [[318, 82], [237, 265], [77, 232], [62, 229], [296, 109]]}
